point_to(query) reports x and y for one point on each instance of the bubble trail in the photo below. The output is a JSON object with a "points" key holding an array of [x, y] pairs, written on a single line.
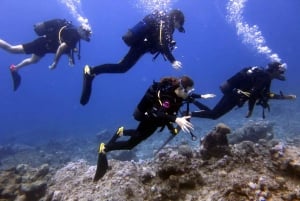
{"points": [[74, 7], [250, 34]]}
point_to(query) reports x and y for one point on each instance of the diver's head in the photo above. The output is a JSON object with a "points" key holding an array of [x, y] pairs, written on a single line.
{"points": [[277, 70], [85, 32], [186, 87], [178, 19]]}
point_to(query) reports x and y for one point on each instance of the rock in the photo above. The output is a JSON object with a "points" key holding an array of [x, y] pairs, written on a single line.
{"points": [[42, 171], [186, 151], [252, 131], [21, 169], [57, 196], [215, 143], [34, 190]]}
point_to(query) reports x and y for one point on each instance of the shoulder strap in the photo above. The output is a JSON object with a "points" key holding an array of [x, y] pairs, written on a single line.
{"points": [[59, 34]]}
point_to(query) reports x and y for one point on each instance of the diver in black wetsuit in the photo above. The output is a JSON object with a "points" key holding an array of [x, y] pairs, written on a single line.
{"points": [[251, 84], [56, 36], [158, 108], [154, 34]]}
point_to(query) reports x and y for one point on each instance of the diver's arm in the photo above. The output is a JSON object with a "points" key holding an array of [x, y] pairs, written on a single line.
{"points": [[165, 43], [167, 53], [201, 106], [60, 50], [281, 96]]}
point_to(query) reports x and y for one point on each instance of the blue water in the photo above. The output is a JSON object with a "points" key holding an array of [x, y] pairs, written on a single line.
{"points": [[46, 106]]}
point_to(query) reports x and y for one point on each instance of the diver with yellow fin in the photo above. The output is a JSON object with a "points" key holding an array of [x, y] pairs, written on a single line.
{"points": [[158, 109]]}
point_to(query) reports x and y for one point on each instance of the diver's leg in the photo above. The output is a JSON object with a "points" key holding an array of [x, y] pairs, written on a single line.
{"points": [[102, 163], [124, 65], [31, 60], [89, 73], [11, 48], [144, 130], [226, 104], [14, 70]]}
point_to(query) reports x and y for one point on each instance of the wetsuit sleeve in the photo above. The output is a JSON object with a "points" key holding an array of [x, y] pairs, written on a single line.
{"points": [[281, 96], [201, 106]]}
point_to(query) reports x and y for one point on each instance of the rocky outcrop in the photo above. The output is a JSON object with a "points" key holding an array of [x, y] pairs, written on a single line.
{"points": [[254, 171], [252, 131], [24, 183]]}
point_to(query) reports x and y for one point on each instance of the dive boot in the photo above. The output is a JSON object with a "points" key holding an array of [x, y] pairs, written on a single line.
{"points": [[15, 76], [87, 85], [102, 164]]}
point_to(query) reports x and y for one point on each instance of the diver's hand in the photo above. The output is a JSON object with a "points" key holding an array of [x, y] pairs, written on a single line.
{"points": [[53, 66], [177, 65], [205, 96], [184, 124], [290, 97], [71, 62]]}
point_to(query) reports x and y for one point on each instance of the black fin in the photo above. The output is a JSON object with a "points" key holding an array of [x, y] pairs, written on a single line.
{"points": [[102, 166], [16, 79], [86, 88]]}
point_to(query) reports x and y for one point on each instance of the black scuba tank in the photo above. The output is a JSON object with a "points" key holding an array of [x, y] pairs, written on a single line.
{"points": [[50, 26], [136, 34]]}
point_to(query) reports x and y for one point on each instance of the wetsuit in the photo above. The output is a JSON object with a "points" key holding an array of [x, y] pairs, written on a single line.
{"points": [[250, 84], [152, 42], [157, 109], [50, 42]]}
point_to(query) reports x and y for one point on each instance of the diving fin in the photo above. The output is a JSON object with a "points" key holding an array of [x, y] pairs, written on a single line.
{"points": [[87, 85], [102, 166], [16, 79]]}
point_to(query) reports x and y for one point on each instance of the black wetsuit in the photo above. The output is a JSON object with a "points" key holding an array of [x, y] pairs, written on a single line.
{"points": [[50, 42], [157, 39], [157, 109], [254, 80], [149, 43]]}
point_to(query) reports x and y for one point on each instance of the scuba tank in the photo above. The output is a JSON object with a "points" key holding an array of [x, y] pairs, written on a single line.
{"points": [[136, 34], [50, 26]]}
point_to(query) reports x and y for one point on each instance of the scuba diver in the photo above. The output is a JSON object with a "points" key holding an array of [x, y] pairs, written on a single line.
{"points": [[251, 84], [56, 36], [158, 108], [154, 34]]}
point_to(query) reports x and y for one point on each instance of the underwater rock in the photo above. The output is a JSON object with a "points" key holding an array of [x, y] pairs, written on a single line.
{"points": [[24, 183], [215, 143], [251, 172], [252, 131], [34, 190]]}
